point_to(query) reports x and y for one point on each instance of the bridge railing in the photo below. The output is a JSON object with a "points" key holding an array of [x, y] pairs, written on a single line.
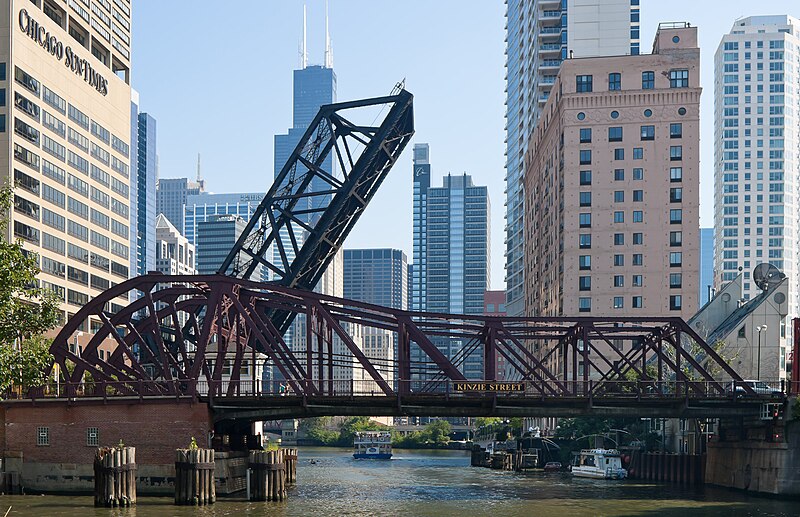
{"points": [[593, 389]]}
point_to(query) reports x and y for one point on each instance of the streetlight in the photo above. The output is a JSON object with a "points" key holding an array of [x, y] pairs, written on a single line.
{"points": [[759, 328]]}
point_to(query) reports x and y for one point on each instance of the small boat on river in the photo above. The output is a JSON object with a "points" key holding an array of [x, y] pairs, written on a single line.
{"points": [[374, 445], [599, 464]]}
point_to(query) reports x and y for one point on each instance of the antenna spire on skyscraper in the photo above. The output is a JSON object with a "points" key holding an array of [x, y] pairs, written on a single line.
{"points": [[198, 168], [303, 47], [328, 48]]}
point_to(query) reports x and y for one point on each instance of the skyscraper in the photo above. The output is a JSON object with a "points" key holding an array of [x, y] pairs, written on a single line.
{"points": [[143, 187], [200, 207], [175, 255], [65, 136], [540, 34], [376, 276], [172, 194], [215, 238], [422, 182], [454, 261], [706, 264], [612, 180], [756, 162]]}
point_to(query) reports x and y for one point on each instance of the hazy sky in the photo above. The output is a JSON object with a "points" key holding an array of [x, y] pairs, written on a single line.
{"points": [[219, 82]]}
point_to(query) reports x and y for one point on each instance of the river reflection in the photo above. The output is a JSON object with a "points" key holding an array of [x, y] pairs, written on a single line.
{"points": [[434, 483]]}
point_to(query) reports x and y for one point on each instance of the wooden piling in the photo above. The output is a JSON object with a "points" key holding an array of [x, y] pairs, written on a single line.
{"points": [[194, 477], [268, 477], [115, 476], [290, 462]]}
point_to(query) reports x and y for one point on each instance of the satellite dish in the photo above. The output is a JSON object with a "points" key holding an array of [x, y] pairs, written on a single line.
{"points": [[766, 276]]}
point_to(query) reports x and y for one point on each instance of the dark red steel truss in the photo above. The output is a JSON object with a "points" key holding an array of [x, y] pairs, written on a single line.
{"points": [[174, 340]]}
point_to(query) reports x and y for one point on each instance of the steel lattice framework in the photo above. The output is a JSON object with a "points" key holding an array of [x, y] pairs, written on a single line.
{"points": [[309, 211], [164, 348]]}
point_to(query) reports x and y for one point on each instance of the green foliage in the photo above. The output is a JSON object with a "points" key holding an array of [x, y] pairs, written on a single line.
{"points": [[436, 433], [439, 431], [26, 311], [357, 423], [485, 421]]}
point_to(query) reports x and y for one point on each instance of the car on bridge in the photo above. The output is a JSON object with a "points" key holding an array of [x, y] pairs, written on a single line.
{"points": [[759, 387]]}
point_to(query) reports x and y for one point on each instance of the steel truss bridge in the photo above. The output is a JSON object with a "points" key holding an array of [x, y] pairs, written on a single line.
{"points": [[207, 337]]}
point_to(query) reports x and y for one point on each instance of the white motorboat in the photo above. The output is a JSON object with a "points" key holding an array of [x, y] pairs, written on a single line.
{"points": [[599, 464]]}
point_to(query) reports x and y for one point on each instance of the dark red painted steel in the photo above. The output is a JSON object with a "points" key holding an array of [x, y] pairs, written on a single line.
{"points": [[184, 332]]}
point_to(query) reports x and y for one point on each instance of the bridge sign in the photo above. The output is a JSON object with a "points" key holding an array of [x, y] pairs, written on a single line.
{"points": [[488, 386]]}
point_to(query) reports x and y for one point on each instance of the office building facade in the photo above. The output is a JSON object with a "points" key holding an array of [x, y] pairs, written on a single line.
{"points": [[455, 257], [376, 276], [201, 207], [172, 195], [143, 188], [418, 269], [540, 34], [175, 255], [216, 237], [65, 127], [612, 186], [756, 159]]}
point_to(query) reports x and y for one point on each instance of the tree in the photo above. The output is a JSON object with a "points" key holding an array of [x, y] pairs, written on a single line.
{"points": [[26, 311], [439, 431]]}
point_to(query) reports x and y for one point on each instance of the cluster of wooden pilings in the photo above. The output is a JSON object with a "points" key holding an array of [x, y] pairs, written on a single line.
{"points": [[194, 477], [115, 476], [515, 460], [685, 469], [270, 474]]}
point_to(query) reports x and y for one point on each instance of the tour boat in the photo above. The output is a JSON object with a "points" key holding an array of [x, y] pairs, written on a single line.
{"points": [[599, 464], [374, 445]]}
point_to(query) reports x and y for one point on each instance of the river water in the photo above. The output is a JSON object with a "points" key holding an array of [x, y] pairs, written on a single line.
{"points": [[434, 483]]}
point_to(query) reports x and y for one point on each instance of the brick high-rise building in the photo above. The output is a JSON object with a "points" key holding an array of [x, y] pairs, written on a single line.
{"points": [[612, 185]]}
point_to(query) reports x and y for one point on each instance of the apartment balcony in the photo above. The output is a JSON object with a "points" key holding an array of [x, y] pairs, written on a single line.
{"points": [[549, 65], [549, 49], [550, 32], [545, 4]]}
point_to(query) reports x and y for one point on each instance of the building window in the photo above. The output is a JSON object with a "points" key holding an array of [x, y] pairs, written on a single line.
{"points": [[584, 83], [636, 302], [679, 78], [42, 436], [586, 157], [619, 174], [676, 130], [585, 283], [618, 304], [615, 134], [648, 132], [585, 262], [92, 437], [648, 113], [619, 239], [637, 281], [619, 216], [584, 304], [638, 216], [586, 135], [619, 281], [676, 153], [638, 259], [676, 239], [585, 198], [638, 153], [675, 216], [615, 114], [638, 238], [675, 280], [585, 220], [638, 196], [675, 302], [619, 196], [586, 178], [638, 173], [675, 174], [676, 195], [675, 259], [585, 240], [614, 81], [619, 260], [619, 154], [648, 80]]}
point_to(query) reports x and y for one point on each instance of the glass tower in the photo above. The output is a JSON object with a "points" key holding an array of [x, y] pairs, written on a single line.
{"points": [[376, 276], [145, 187], [453, 264]]}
